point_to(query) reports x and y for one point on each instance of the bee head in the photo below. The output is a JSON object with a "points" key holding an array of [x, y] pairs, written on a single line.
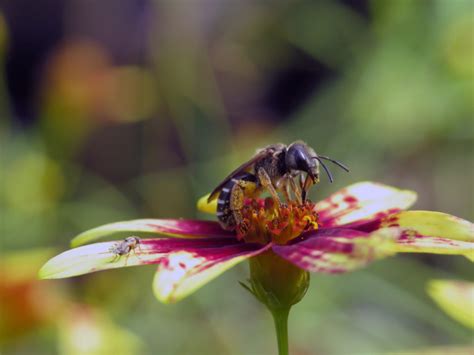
{"points": [[300, 157]]}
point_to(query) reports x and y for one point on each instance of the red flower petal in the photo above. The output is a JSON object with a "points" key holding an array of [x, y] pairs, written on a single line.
{"points": [[179, 228], [336, 250], [362, 202], [411, 242], [102, 256], [428, 232], [189, 267]]}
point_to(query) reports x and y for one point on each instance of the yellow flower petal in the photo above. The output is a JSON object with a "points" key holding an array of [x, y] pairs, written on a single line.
{"points": [[183, 272], [207, 207], [90, 258], [177, 228], [339, 250], [432, 232], [362, 202], [433, 224], [470, 255], [456, 298]]}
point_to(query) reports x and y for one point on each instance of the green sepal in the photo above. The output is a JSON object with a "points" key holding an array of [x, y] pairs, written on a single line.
{"points": [[276, 282]]}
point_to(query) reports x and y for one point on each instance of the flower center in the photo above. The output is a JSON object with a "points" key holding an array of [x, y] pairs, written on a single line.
{"points": [[263, 221]]}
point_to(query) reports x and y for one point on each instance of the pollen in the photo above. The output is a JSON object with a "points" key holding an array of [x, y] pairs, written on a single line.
{"points": [[264, 222]]}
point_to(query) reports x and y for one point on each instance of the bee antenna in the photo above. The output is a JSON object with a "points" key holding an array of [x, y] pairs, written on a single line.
{"points": [[325, 168], [339, 164]]}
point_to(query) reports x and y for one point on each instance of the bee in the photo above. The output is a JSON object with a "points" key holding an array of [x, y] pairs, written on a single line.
{"points": [[125, 247], [273, 168]]}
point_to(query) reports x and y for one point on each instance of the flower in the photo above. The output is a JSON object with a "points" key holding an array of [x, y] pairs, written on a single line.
{"points": [[346, 231], [456, 298]]}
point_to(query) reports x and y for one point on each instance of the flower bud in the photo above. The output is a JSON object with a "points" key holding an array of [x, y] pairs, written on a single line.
{"points": [[276, 282]]}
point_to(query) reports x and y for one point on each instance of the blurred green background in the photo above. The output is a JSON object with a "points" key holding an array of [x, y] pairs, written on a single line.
{"points": [[115, 110]]}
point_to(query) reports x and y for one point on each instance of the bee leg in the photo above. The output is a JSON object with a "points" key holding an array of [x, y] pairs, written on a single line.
{"points": [[297, 192], [237, 201], [302, 187], [286, 190], [267, 183], [308, 182], [282, 185], [301, 181]]}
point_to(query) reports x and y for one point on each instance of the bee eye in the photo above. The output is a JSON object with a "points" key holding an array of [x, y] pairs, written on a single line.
{"points": [[301, 161], [297, 158]]}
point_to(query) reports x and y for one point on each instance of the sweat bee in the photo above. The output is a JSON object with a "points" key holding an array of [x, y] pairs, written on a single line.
{"points": [[273, 168]]}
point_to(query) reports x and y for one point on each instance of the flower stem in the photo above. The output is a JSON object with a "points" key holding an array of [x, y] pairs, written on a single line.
{"points": [[279, 285], [280, 316]]}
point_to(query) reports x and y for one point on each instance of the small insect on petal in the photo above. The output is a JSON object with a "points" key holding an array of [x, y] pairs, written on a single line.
{"points": [[94, 257]]}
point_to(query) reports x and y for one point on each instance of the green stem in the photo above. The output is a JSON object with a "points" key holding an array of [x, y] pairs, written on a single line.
{"points": [[280, 316]]}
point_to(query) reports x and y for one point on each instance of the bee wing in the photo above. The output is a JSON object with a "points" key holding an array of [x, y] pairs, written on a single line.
{"points": [[241, 169]]}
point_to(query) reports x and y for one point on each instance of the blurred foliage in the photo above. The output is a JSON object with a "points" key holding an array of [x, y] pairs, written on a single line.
{"points": [[122, 110]]}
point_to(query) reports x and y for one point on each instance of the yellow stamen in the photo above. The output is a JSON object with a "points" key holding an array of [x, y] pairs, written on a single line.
{"points": [[264, 222]]}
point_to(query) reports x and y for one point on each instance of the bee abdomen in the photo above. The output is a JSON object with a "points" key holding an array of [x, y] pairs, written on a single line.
{"points": [[225, 213]]}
